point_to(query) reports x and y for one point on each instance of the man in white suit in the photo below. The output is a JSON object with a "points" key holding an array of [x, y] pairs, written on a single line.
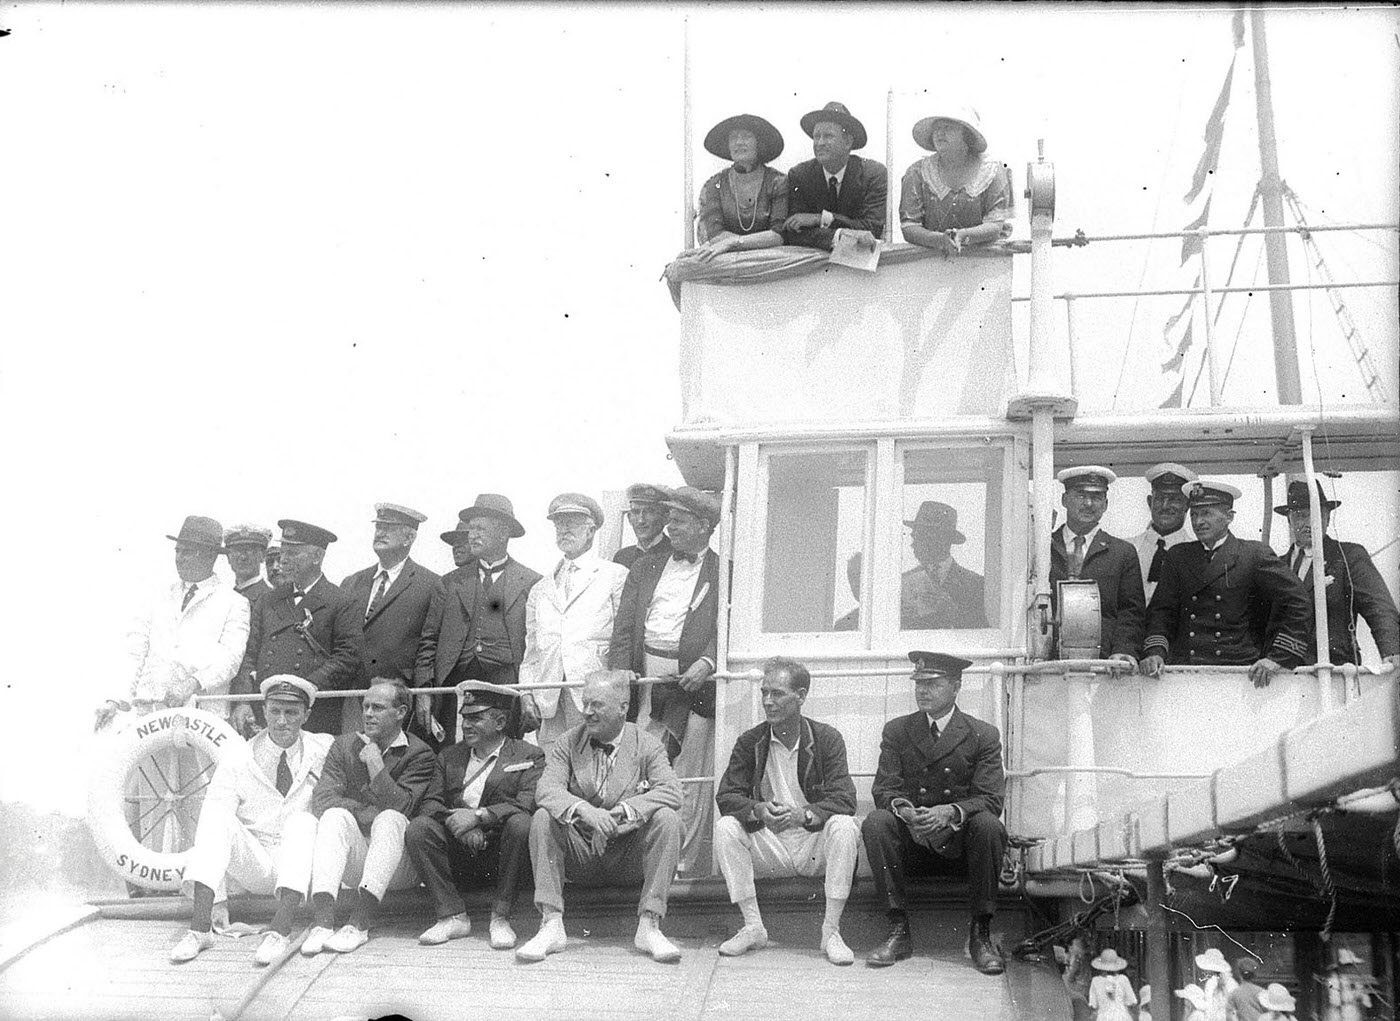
{"points": [[255, 826], [194, 635], [569, 615]]}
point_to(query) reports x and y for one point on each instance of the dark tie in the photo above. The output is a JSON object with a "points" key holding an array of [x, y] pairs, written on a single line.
{"points": [[685, 558], [488, 576], [378, 594], [1076, 562], [833, 193], [189, 594], [1154, 570], [933, 729], [1210, 555], [1298, 562], [284, 776], [602, 746]]}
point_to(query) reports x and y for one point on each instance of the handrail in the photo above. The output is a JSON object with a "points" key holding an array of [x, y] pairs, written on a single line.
{"points": [[1240, 289], [1079, 239]]}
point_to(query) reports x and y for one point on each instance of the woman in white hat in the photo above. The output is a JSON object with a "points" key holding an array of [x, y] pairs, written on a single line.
{"points": [[740, 206], [1217, 982], [958, 196], [1277, 1002], [1110, 993], [1196, 997]]}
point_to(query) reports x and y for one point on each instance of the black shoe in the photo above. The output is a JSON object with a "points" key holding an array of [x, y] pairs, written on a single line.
{"points": [[898, 946], [986, 955]]}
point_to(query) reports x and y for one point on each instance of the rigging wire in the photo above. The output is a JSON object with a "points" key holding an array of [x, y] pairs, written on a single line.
{"points": [[1234, 344]]}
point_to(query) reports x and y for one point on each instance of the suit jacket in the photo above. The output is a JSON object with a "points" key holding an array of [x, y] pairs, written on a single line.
{"points": [[1113, 563], [458, 574], [568, 638], [510, 786], [393, 630], [963, 767], [861, 202], [699, 635], [641, 776], [256, 588], [962, 603], [822, 773], [276, 645], [410, 778], [1353, 586], [1240, 606], [448, 622], [178, 650], [240, 786], [628, 555]]}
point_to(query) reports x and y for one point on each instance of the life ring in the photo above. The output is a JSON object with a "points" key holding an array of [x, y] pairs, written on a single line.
{"points": [[159, 765]]}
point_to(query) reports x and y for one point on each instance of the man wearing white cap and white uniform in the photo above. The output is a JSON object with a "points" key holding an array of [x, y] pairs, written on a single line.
{"points": [[1167, 527], [255, 827]]}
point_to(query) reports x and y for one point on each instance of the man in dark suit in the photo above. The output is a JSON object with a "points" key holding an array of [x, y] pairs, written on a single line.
{"points": [[475, 630], [306, 626], [245, 546], [392, 600], [646, 512], [477, 828], [462, 561], [1225, 600], [1352, 586], [1081, 549], [835, 189], [938, 794], [939, 593]]}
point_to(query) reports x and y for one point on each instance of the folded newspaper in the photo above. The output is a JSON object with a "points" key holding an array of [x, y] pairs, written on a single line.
{"points": [[857, 249]]}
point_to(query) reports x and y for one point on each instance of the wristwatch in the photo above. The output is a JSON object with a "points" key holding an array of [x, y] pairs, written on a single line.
{"points": [[807, 817]]}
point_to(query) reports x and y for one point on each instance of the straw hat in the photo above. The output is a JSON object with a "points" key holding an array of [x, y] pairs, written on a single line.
{"points": [[1213, 960], [1276, 997], [770, 139], [1108, 960], [1194, 995], [964, 115]]}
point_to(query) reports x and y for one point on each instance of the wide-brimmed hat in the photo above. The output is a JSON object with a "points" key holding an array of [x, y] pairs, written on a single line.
{"points": [[494, 505], [1194, 995], [837, 114], [770, 140], [1108, 960], [964, 115], [940, 516], [199, 531], [1298, 499], [1276, 997], [1213, 960], [703, 505]]}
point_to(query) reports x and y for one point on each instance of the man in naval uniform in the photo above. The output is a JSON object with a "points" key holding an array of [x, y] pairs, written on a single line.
{"points": [[1167, 528], [306, 627], [834, 189], [1223, 600], [392, 599], [1081, 549], [1353, 586], [646, 513], [938, 794], [939, 592], [245, 546]]}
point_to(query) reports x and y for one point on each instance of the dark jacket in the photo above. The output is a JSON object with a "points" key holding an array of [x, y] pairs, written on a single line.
{"points": [[510, 786], [1113, 563], [1242, 605], [822, 773], [393, 630], [629, 555], [448, 622], [1353, 586], [963, 767], [409, 778], [959, 602], [861, 203]]}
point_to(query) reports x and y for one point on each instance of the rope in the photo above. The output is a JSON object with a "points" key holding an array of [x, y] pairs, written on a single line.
{"points": [[1328, 889]]}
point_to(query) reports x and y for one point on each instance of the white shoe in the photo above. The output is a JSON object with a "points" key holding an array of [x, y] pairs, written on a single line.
{"points": [[836, 950], [502, 935], [346, 939], [190, 946], [549, 940], [750, 937], [445, 929], [650, 940], [315, 940], [273, 945]]}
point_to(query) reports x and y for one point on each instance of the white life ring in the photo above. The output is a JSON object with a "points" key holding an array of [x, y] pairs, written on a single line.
{"points": [[142, 746]]}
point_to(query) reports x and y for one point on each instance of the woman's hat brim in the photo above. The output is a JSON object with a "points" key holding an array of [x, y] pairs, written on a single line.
{"points": [[923, 132], [770, 139]]}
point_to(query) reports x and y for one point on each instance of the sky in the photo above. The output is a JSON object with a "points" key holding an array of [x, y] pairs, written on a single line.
{"points": [[265, 261]]}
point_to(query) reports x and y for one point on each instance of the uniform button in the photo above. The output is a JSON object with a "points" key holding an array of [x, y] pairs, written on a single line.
{"points": [[1217, 599], [1217, 634], [1193, 616], [1217, 616], [946, 769], [1193, 634], [948, 792]]}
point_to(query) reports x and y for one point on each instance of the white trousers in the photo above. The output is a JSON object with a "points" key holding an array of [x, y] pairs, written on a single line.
{"points": [[696, 758], [830, 851], [566, 715], [344, 857], [226, 849]]}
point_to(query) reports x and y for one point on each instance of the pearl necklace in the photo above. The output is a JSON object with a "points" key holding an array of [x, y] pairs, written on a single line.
{"points": [[742, 200]]}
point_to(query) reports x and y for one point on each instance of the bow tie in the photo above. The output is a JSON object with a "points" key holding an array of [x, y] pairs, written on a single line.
{"points": [[685, 558], [603, 746]]}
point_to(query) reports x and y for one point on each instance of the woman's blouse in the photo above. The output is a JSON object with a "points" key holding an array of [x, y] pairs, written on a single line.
{"points": [[719, 208], [985, 197]]}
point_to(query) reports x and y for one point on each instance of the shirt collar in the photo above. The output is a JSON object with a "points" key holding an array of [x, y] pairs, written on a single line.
{"points": [[584, 559], [307, 590], [1152, 530], [840, 175], [942, 721], [393, 572], [1068, 537], [495, 752], [483, 566], [1218, 544]]}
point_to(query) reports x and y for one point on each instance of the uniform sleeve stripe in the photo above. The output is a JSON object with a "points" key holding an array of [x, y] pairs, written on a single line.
{"points": [[1156, 641]]}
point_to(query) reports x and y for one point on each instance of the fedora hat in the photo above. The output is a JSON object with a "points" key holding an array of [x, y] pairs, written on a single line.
{"points": [[837, 114], [964, 115], [1108, 960], [1298, 499], [1276, 997], [494, 505], [198, 531], [770, 140], [1213, 960], [941, 516]]}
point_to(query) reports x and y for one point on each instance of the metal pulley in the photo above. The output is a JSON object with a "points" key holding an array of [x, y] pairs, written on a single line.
{"points": [[1040, 185], [1078, 619]]}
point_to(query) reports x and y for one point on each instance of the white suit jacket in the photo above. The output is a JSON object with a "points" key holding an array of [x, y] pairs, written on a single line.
{"points": [[569, 640], [177, 652], [241, 788]]}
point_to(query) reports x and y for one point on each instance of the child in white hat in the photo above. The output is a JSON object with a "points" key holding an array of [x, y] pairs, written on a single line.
{"points": [[1110, 993], [1195, 996], [1277, 1002]]}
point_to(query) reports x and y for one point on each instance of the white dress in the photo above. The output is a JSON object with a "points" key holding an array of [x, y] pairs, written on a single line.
{"points": [[1111, 995]]}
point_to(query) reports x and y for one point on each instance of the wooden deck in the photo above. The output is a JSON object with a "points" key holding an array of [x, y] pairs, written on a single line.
{"points": [[114, 969]]}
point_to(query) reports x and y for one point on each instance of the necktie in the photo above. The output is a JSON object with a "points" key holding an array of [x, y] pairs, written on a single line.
{"points": [[684, 558], [189, 594], [1154, 570], [1210, 554], [378, 594], [1076, 563], [1298, 561], [833, 193], [569, 568], [284, 776], [933, 729], [488, 576]]}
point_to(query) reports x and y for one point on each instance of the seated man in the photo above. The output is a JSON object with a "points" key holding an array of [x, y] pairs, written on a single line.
{"points": [[373, 783], [938, 789], [478, 829], [254, 826], [788, 809], [608, 813]]}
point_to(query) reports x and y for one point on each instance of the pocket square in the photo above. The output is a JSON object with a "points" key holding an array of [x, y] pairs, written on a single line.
{"points": [[516, 767]]}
